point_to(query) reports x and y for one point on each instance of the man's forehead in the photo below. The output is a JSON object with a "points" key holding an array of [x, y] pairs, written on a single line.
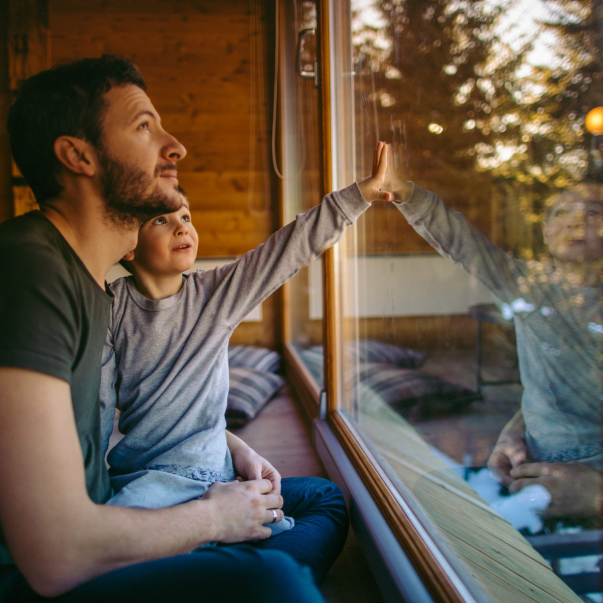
{"points": [[580, 196], [125, 102]]}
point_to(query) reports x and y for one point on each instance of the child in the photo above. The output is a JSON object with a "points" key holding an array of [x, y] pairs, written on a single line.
{"points": [[165, 362]]}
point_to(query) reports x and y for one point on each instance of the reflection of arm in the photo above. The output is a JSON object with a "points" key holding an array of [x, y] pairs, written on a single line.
{"points": [[241, 286], [454, 238]]}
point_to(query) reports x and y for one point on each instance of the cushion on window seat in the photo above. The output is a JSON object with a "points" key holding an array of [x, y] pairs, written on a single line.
{"points": [[247, 356], [249, 391], [410, 391]]}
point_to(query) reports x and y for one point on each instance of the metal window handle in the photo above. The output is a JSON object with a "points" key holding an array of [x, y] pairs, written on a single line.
{"points": [[305, 73]]}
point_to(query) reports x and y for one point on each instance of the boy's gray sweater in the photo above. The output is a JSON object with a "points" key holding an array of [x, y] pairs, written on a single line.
{"points": [[559, 331], [165, 362]]}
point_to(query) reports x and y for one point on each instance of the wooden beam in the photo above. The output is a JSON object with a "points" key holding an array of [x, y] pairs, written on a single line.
{"points": [[28, 53]]}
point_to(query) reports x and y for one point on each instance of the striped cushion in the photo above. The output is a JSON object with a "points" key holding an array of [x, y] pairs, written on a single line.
{"points": [[247, 356], [372, 350], [403, 389], [248, 393]]}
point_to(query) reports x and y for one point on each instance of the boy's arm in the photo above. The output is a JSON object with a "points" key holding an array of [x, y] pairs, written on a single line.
{"points": [[241, 286], [56, 535]]}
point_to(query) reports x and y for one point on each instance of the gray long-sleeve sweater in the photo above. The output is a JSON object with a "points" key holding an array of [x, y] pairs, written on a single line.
{"points": [[559, 331], [165, 361]]}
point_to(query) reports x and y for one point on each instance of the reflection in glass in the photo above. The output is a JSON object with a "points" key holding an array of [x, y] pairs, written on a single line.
{"points": [[472, 323]]}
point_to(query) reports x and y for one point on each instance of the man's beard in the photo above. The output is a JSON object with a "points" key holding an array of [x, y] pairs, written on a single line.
{"points": [[125, 190]]}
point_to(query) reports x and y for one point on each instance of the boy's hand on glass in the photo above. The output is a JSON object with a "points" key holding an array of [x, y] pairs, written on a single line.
{"points": [[371, 188], [251, 466], [575, 488]]}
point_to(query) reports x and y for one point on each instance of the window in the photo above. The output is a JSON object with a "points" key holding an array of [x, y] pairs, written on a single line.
{"points": [[474, 315]]}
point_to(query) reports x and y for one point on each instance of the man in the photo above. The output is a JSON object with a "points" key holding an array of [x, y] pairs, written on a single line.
{"points": [[90, 143]]}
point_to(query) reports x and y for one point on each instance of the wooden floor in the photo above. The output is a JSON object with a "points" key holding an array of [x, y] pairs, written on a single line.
{"points": [[282, 434]]}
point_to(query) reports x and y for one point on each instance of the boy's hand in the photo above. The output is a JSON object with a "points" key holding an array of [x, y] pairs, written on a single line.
{"points": [[371, 187], [250, 465]]}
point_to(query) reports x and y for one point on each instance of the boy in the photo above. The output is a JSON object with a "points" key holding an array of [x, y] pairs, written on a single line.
{"points": [[555, 439], [166, 361]]}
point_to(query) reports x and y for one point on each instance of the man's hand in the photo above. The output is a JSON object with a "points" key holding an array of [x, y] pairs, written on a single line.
{"points": [[510, 450], [371, 188], [242, 509], [250, 465], [575, 488]]}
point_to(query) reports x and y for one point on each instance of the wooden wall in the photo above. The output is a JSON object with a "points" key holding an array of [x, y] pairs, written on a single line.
{"points": [[6, 199], [208, 69]]}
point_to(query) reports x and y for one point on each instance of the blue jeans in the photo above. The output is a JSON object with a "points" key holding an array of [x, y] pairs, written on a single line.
{"points": [[284, 568]]}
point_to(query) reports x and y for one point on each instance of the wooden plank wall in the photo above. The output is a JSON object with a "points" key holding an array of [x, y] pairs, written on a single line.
{"points": [[6, 198], [208, 69]]}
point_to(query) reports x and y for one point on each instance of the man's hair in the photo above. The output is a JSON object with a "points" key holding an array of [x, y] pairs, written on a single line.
{"points": [[123, 263], [67, 100]]}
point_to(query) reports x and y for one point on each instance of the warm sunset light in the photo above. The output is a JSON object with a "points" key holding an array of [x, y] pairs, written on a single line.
{"points": [[594, 121]]}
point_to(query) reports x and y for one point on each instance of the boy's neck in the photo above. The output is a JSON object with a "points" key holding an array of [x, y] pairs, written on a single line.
{"points": [[155, 286]]}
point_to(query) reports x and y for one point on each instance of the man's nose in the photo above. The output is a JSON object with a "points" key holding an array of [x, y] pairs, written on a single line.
{"points": [[173, 150]]}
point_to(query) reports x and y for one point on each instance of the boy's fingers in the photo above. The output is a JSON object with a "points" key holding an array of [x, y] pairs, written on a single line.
{"points": [[382, 165]]}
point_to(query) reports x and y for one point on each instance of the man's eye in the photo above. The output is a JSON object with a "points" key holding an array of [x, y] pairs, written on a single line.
{"points": [[144, 125]]}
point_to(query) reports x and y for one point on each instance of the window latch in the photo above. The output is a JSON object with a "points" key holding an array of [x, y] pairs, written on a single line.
{"points": [[300, 66]]}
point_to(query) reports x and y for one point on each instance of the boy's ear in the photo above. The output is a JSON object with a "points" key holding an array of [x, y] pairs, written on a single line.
{"points": [[75, 154], [128, 257]]}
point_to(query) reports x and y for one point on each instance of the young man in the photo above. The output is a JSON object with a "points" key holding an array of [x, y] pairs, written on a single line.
{"points": [[91, 145], [555, 439]]}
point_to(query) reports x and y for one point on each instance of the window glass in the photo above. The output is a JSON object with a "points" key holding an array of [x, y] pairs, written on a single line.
{"points": [[471, 313], [301, 172]]}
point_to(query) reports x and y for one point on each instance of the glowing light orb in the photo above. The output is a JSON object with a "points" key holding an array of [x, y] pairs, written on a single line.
{"points": [[594, 121], [437, 128]]}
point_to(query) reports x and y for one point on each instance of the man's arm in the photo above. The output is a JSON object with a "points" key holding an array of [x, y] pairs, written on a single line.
{"points": [[57, 536], [510, 450]]}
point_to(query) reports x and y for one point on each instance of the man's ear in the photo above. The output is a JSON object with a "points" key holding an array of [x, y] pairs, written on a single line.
{"points": [[128, 257], [76, 155]]}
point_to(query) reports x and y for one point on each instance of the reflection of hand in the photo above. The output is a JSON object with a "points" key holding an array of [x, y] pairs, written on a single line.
{"points": [[393, 181], [240, 510], [510, 450], [574, 487], [371, 188]]}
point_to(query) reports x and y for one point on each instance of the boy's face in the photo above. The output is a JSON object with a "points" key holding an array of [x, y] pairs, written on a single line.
{"points": [[167, 244], [573, 231], [137, 157]]}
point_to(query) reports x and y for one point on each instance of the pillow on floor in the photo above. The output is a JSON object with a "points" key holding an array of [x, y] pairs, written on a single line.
{"points": [[372, 350], [409, 391], [248, 393], [247, 356]]}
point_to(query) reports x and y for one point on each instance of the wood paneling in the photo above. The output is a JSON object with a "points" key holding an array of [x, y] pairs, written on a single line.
{"points": [[208, 72], [6, 197]]}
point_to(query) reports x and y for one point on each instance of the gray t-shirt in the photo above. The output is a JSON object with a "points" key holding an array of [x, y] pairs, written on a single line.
{"points": [[558, 329], [166, 361]]}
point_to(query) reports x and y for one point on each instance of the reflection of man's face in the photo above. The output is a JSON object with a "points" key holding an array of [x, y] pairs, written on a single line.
{"points": [[137, 158], [573, 230]]}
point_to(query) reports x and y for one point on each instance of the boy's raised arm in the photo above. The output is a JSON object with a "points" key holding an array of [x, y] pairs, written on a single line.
{"points": [[241, 286], [56, 535]]}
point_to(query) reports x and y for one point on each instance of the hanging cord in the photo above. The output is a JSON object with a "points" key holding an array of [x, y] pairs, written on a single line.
{"points": [[275, 96], [256, 70]]}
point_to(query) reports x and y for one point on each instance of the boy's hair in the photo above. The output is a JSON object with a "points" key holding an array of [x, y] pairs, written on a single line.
{"points": [[123, 262], [67, 100]]}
